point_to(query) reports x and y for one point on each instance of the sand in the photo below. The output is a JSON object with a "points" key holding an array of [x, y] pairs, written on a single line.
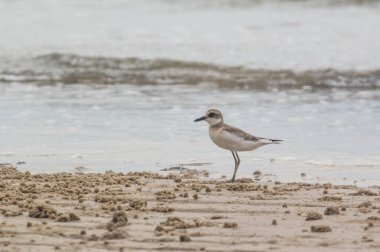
{"points": [[179, 211]]}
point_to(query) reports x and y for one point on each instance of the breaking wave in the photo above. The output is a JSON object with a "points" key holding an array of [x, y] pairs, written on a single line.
{"points": [[58, 68]]}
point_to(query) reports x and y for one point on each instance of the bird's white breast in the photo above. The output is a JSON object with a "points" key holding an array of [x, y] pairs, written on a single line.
{"points": [[229, 141]]}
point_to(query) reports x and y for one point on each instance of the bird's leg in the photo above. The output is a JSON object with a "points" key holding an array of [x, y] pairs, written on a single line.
{"points": [[237, 163]]}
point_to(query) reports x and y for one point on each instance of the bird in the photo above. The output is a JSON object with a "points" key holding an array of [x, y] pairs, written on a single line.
{"points": [[232, 138]]}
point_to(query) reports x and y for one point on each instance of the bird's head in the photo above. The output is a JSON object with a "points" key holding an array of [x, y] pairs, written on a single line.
{"points": [[212, 116]]}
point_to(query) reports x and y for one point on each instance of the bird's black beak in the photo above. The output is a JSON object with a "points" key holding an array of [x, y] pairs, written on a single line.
{"points": [[200, 119]]}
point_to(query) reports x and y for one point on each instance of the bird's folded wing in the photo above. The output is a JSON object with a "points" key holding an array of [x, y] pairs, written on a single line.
{"points": [[240, 133]]}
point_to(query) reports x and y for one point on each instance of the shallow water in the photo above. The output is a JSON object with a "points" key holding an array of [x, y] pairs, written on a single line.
{"points": [[309, 74], [126, 127]]}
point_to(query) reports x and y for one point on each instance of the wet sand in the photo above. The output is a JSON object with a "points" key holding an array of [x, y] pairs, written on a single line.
{"points": [[181, 211]]}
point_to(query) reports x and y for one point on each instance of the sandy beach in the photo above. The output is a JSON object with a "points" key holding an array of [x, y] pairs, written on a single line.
{"points": [[181, 211]]}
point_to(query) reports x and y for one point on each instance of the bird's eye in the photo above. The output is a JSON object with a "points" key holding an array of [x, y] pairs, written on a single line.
{"points": [[212, 114]]}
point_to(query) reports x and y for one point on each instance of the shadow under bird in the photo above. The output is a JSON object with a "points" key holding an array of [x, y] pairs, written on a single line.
{"points": [[232, 138]]}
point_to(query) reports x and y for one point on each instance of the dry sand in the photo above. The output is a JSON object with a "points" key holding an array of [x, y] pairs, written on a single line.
{"points": [[180, 212]]}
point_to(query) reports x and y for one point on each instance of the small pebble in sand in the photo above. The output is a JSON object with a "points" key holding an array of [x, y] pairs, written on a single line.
{"points": [[370, 225], [217, 217], [230, 225], [323, 244], [159, 228], [272, 241], [195, 196], [83, 232], [93, 237], [320, 229], [257, 174], [303, 174], [331, 211], [184, 238], [274, 222], [366, 239], [29, 224], [375, 218], [313, 216], [365, 210]]}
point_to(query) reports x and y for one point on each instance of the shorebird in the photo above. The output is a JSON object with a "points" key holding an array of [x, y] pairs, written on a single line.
{"points": [[231, 138]]}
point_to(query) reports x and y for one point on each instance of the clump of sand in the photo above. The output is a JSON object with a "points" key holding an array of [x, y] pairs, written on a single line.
{"points": [[230, 225], [181, 224], [330, 198], [364, 192], [331, 211], [9, 213], [365, 204], [138, 203], [313, 216], [119, 219], [162, 209], [67, 217], [320, 229], [184, 238], [165, 195], [114, 234], [43, 211]]}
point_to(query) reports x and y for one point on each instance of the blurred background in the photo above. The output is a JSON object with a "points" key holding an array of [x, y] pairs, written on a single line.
{"points": [[100, 85]]}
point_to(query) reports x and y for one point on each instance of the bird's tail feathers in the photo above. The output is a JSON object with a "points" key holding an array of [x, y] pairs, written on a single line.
{"points": [[270, 141]]}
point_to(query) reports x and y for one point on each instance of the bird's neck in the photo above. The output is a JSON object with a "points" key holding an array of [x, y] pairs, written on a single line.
{"points": [[216, 125]]}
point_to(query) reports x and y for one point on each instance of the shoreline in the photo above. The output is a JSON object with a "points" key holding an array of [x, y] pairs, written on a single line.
{"points": [[144, 211]]}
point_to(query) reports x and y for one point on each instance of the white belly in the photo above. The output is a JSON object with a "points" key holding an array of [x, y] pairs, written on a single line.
{"points": [[232, 142]]}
